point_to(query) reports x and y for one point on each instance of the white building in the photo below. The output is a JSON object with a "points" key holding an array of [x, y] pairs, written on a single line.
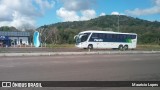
{"points": [[15, 38]]}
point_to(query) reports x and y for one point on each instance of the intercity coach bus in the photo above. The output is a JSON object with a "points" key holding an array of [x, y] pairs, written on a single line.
{"points": [[106, 40]]}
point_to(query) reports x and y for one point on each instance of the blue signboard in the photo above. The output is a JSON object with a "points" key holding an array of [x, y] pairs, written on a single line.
{"points": [[4, 38]]}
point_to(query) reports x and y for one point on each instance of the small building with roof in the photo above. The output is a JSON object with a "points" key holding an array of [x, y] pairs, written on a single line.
{"points": [[14, 38]]}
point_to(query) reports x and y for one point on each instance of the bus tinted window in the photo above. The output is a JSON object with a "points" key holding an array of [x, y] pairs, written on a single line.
{"points": [[85, 37], [118, 36], [94, 35], [107, 37], [103, 36], [124, 36], [127, 36], [100, 35], [113, 36], [133, 36]]}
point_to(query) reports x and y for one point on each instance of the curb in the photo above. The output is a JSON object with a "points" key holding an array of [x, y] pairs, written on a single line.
{"points": [[78, 53]]}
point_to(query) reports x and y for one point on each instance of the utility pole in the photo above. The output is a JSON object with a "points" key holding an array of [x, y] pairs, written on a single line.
{"points": [[118, 23]]}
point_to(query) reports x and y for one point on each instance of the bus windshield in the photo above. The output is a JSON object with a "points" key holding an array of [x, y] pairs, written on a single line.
{"points": [[82, 37]]}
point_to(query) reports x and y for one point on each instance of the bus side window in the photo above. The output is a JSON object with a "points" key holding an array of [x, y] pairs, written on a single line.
{"points": [[106, 36], [130, 36], [120, 36], [114, 36], [94, 35], [133, 36], [84, 38], [124, 36], [100, 35], [110, 36], [103, 36], [127, 36]]}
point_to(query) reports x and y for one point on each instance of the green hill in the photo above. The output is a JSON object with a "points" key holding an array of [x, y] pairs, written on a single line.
{"points": [[6, 28], [63, 32]]}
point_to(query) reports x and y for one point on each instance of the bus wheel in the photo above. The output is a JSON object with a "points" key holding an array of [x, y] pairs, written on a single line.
{"points": [[125, 47], [120, 47], [90, 46]]}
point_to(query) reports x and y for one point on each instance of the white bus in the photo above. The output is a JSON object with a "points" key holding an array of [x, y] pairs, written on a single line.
{"points": [[106, 40]]}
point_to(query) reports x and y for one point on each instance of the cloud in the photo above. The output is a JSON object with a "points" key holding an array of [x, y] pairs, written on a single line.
{"points": [[22, 22], [67, 15], [22, 13], [102, 14], [77, 5], [115, 13], [88, 14], [157, 2], [148, 11], [76, 10], [43, 4]]}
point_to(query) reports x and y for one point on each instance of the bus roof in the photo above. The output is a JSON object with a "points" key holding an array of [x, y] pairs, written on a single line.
{"points": [[96, 31]]}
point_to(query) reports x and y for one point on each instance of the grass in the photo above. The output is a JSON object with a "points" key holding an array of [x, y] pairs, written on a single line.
{"points": [[61, 45], [148, 47], [2, 49], [139, 47], [145, 47]]}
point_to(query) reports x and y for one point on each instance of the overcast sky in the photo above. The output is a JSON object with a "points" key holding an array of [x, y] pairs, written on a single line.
{"points": [[35, 13]]}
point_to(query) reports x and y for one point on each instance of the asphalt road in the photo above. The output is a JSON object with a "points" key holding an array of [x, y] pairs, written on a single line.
{"points": [[126, 67]]}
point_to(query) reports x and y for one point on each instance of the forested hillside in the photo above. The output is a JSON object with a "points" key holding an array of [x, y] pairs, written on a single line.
{"points": [[63, 32], [148, 32], [6, 28]]}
